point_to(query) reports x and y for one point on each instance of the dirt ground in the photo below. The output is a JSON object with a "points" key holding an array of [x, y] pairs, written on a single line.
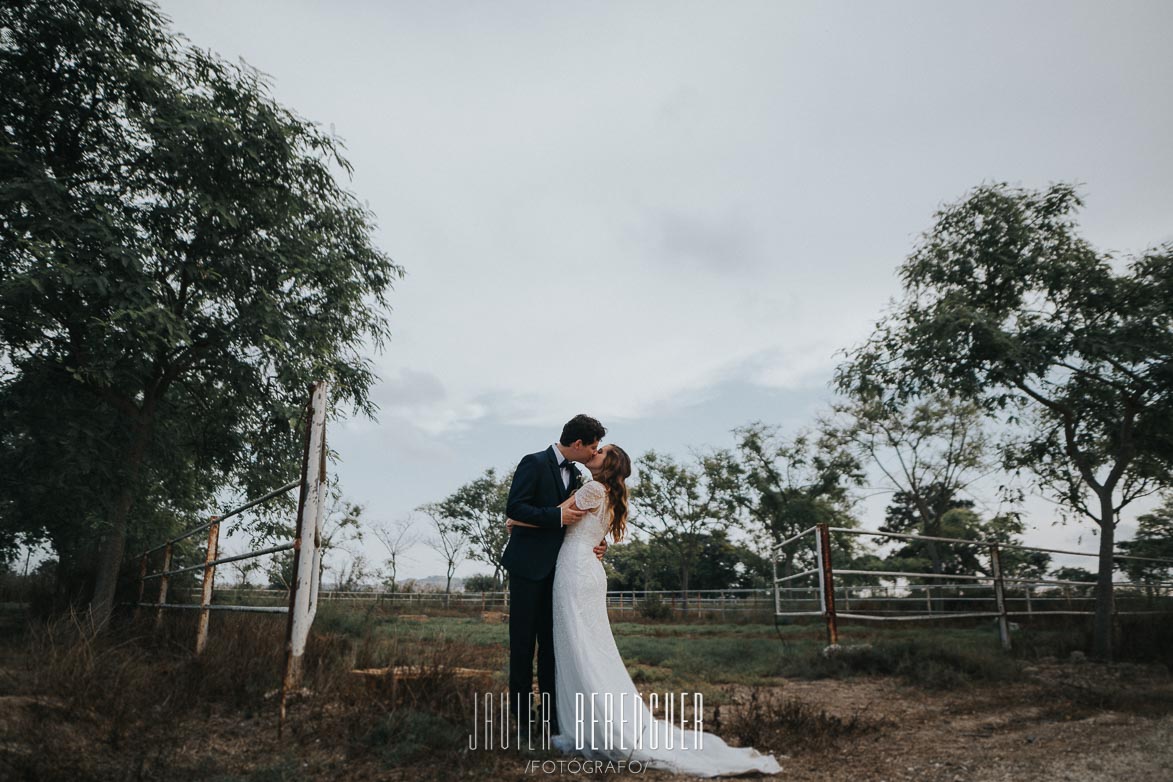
{"points": [[1064, 721]]}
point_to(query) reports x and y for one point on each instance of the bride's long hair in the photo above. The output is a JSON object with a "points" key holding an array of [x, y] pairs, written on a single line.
{"points": [[613, 475]]}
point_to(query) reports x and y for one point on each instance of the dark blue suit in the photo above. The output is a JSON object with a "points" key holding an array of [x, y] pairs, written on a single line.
{"points": [[530, 556]]}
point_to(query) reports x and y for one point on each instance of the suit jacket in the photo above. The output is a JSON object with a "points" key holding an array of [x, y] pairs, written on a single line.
{"points": [[534, 497]]}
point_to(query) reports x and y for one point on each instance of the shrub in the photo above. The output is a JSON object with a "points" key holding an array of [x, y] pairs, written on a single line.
{"points": [[653, 607]]}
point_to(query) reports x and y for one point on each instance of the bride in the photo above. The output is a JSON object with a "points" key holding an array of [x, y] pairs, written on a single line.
{"points": [[587, 665]]}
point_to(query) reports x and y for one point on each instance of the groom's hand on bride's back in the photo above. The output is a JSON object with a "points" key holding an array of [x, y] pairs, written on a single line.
{"points": [[570, 511]]}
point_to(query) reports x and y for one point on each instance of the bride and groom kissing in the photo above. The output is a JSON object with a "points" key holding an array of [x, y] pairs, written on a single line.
{"points": [[562, 503]]}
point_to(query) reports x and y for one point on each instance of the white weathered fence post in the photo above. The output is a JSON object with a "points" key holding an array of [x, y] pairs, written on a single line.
{"points": [[307, 554]]}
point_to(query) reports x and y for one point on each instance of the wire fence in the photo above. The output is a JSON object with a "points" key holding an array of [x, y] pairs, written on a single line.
{"points": [[300, 602], [991, 591], [698, 602]]}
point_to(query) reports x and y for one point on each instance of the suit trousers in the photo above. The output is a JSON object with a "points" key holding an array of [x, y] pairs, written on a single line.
{"points": [[531, 619]]}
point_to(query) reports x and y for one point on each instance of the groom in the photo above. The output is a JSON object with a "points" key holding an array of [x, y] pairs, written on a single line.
{"points": [[542, 485]]}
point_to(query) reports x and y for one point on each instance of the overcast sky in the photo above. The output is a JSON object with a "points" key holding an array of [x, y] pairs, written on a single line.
{"points": [[671, 215]]}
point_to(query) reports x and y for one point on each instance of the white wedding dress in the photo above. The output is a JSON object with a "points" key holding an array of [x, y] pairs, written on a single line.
{"points": [[587, 662]]}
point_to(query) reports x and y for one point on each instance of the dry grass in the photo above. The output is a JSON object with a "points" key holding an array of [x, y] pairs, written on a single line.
{"points": [[134, 703], [767, 720]]}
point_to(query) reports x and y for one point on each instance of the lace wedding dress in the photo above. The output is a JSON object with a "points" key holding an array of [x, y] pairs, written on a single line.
{"points": [[587, 662]]}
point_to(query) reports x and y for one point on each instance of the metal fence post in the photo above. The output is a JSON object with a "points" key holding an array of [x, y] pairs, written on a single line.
{"points": [[826, 582], [208, 584], [777, 589], [1000, 596]]}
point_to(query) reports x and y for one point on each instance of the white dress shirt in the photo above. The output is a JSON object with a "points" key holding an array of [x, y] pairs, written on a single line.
{"points": [[565, 467], [565, 471]]}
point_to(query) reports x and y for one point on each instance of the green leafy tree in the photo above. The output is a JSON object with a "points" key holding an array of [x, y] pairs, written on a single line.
{"points": [[342, 532], [952, 518], [1154, 541], [786, 486], [342, 528], [959, 521], [677, 504], [726, 564], [177, 263], [640, 565], [1078, 574], [1007, 307], [637, 564], [482, 582], [279, 570], [928, 452], [1008, 529], [477, 511]]}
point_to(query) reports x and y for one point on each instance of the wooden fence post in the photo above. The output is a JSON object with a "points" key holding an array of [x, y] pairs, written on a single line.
{"points": [[208, 584], [163, 581]]}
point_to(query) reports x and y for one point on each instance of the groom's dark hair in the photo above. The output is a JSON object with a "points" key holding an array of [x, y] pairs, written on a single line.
{"points": [[582, 427]]}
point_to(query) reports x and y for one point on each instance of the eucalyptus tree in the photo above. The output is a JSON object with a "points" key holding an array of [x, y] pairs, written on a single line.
{"points": [[177, 262], [1006, 306]]}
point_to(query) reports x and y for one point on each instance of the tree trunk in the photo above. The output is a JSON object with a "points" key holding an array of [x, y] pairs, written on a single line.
{"points": [[933, 529], [110, 550], [1102, 627], [110, 560]]}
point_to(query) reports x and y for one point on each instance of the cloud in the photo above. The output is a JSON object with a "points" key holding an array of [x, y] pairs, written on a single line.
{"points": [[419, 400], [409, 388], [721, 245], [656, 212]]}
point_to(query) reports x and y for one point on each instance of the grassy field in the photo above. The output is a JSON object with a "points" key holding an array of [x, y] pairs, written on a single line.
{"points": [[136, 704], [674, 656]]}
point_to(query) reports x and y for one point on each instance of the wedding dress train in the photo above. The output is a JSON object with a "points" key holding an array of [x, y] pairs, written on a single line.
{"points": [[589, 670]]}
